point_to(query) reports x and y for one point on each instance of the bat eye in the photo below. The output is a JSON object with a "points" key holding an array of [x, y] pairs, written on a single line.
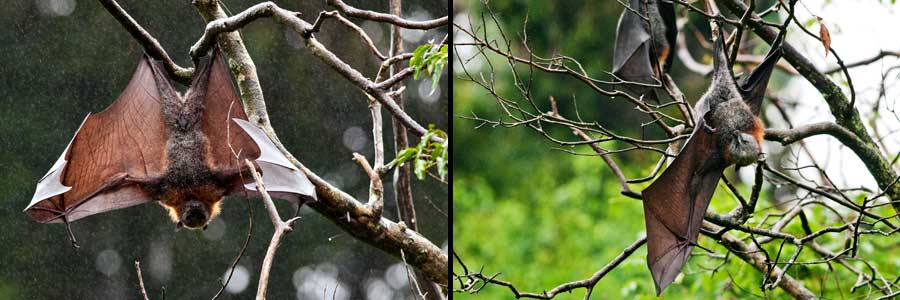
{"points": [[194, 214]]}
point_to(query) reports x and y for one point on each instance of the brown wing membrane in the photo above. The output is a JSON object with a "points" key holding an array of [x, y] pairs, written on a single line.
{"points": [[126, 141], [675, 203], [221, 104], [229, 133]]}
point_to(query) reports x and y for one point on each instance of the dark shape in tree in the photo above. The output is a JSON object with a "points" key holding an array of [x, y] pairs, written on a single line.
{"points": [[643, 47]]}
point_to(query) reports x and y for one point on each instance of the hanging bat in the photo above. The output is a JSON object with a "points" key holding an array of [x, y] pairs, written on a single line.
{"points": [[643, 47], [728, 132], [154, 144]]}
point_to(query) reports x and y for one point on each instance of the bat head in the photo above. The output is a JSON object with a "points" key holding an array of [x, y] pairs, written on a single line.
{"points": [[192, 210], [194, 214], [743, 149]]}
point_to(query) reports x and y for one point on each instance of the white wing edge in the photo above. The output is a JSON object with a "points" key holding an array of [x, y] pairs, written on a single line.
{"points": [[51, 184]]}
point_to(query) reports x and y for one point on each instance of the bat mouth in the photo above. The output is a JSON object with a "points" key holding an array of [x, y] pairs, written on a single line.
{"points": [[194, 214]]}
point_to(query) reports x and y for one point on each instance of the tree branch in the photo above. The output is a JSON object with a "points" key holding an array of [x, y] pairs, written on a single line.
{"points": [[281, 228], [339, 207], [750, 254], [388, 18], [148, 42], [587, 284], [289, 19], [844, 113]]}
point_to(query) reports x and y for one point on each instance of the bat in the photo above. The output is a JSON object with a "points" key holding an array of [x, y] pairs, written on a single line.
{"points": [[727, 132], [643, 47], [154, 144]]}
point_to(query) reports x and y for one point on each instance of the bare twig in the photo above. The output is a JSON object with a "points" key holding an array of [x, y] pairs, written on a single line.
{"points": [[137, 268], [389, 18], [375, 204], [588, 284], [362, 34], [752, 256], [289, 19], [281, 227]]}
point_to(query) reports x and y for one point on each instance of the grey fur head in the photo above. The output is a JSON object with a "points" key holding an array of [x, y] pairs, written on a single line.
{"points": [[744, 149]]}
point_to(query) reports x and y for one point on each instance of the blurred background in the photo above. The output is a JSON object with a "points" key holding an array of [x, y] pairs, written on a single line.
{"points": [[61, 59], [541, 217]]}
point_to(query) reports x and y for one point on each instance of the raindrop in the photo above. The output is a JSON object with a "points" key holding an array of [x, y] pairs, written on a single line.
{"points": [[56, 7], [396, 276], [159, 261], [426, 94], [412, 35], [292, 38], [300, 276], [108, 262], [374, 30], [239, 281], [319, 283], [327, 269], [377, 289], [354, 138], [215, 230]]}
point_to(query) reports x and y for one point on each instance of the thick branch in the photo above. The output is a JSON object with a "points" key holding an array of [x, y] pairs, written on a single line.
{"points": [[289, 19], [788, 136]]}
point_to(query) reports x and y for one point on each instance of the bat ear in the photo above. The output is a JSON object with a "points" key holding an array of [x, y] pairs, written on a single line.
{"points": [[179, 226], [721, 69], [722, 77]]}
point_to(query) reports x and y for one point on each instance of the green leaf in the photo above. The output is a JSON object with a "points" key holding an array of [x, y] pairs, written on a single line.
{"points": [[432, 60], [425, 154]]}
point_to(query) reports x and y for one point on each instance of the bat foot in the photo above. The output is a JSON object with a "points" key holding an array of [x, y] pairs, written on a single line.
{"points": [[72, 240], [708, 128]]}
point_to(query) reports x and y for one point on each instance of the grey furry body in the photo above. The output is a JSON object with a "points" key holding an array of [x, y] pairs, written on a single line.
{"points": [[186, 143], [728, 118]]}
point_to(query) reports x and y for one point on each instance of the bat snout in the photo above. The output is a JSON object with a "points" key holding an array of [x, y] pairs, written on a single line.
{"points": [[194, 214], [744, 149]]}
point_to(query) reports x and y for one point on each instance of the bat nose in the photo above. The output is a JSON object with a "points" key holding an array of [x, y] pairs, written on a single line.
{"points": [[194, 214]]}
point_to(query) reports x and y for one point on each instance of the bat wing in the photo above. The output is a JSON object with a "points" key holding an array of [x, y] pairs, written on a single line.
{"points": [[753, 86], [231, 139], [631, 55], [125, 141], [674, 205]]}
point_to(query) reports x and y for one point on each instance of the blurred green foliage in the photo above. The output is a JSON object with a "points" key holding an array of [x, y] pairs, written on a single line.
{"points": [[541, 217]]}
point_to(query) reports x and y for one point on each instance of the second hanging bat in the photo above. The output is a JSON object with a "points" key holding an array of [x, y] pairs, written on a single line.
{"points": [[644, 43], [154, 144]]}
